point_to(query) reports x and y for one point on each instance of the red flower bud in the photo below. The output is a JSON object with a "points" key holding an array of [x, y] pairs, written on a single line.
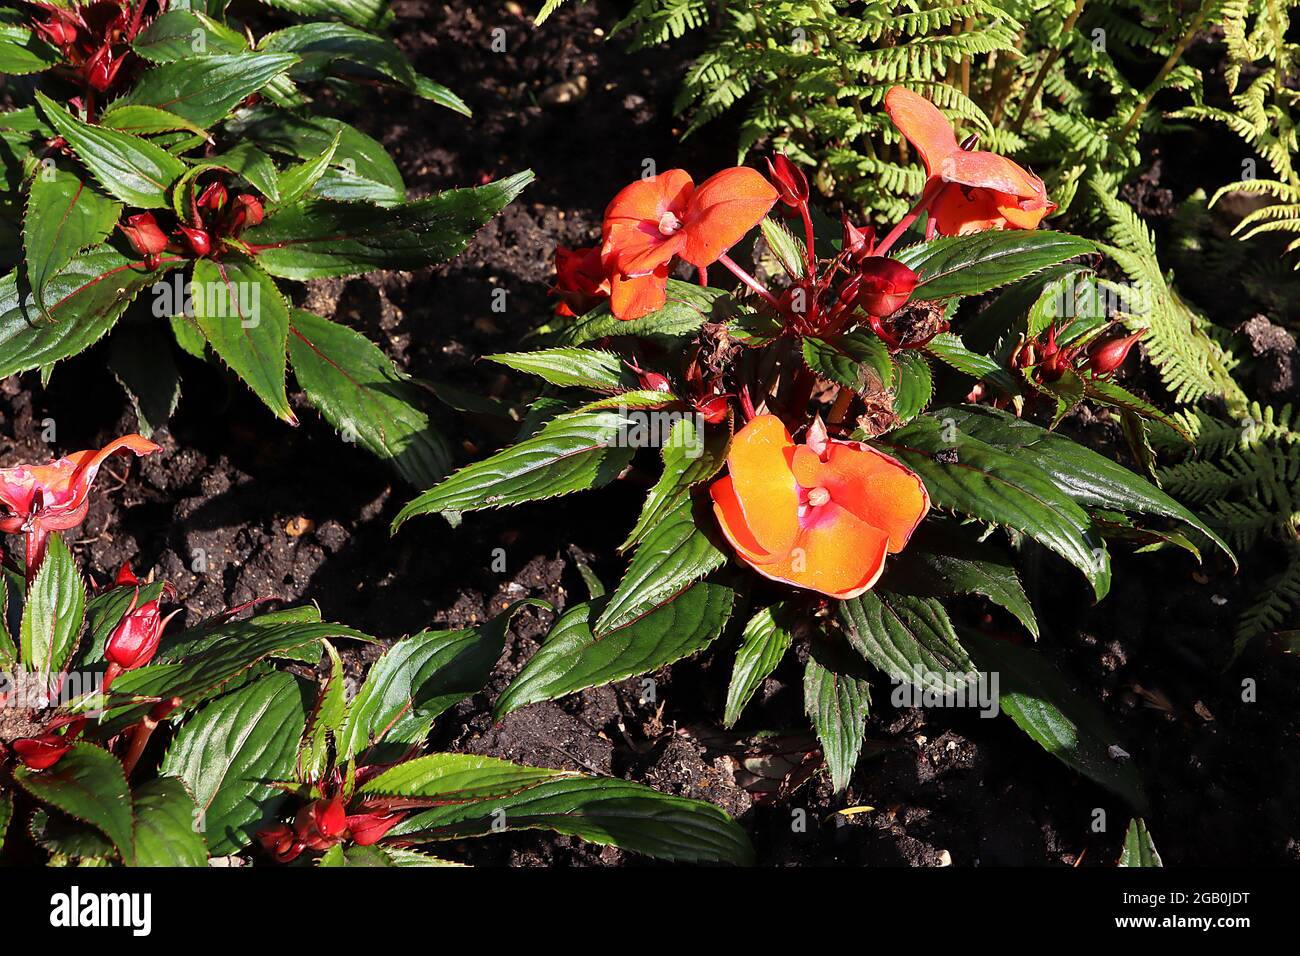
{"points": [[1106, 357], [125, 576], [143, 234], [43, 752], [280, 842], [213, 197], [580, 280], [197, 239], [886, 285], [857, 242], [370, 828], [134, 641], [57, 31], [101, 69], [245, 211], [651, 381], [714, 408], [789, 180], [330, 817]]}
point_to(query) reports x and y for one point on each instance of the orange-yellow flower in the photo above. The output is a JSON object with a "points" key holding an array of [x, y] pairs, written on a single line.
{"points": [[986, 191], [822, 515]]}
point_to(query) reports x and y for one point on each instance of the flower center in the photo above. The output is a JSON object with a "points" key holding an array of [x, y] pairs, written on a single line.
{"points": [[669, 224], [818, 496]]}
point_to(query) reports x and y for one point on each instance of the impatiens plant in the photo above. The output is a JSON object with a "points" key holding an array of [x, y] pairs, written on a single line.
{"points": [[122, 741], [863, 422], [167, 148]]}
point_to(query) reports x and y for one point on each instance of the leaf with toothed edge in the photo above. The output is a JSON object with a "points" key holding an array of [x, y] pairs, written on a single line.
{"points": [[687, 307], [909, 638], [241, 313], [87, 784], [318, 238], [913, 384], [978, 263], [472, 796], [837, 696], [767, 637], [689, 458], [54, 611], [165, 832], [128, 167], [64, 215], [204, 89], [1139, 848], [359, 391], [573, 658], [572, 368]]}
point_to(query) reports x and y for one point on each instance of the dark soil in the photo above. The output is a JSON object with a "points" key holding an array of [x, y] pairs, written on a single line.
{"points": [[231, 488]]}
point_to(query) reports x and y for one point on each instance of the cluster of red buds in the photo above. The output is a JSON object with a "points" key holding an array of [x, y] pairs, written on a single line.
{"points": [[215, 217], [1047, 360], [325, 822], [132, 644], [94, 38]]}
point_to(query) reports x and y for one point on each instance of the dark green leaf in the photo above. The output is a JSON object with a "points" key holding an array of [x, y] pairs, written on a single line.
{"points": [[166, 831], [141, 360], [87, 784], [1066, 724], [572, 368], [128, 167], [64, 216], [573, 658], [569, 454], [362, 394], [1139, 849], [230, 750], [22, 52], [55, 609], [767, 637], [487, 793], [244, 318], [321, 237], [836, 696], [362, 13], [672, 556], [858, 360], [963, 473], [204, 89], [689, 458], [688, 306], [913, 384], [909, 638], [970, 265], [185, 34]]}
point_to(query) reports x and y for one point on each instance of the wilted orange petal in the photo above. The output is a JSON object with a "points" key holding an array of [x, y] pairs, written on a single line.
{"points": [[759, 464], [925, 127], [837, 554], [877, 489], [634, 297], [723, 209]]}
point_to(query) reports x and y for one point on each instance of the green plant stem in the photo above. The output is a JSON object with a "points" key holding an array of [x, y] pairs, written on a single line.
{"points": [[1175, 55], [1041, 76]]}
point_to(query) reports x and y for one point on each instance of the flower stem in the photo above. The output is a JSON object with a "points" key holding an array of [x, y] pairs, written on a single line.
{"points": [[932, 189], [809, 239], [750, 281]]}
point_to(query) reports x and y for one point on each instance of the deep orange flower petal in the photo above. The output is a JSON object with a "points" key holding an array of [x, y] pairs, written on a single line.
{"points": [[991, 171], [959, 211], [632, 297], [759, 464], [924, 126], [723, 209], [838, 554], [731, 517], [879, 490], [631, 233]]}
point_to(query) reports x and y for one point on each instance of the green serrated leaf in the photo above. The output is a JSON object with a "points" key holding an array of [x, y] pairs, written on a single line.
{"points": [[1071, 727], [230, 749], [766, 638], [1139, 849], [836, 696], [142, 362], [128, 167], [361, 393], [573, 658], [978, 263], [88, 784], [967, 475], [166, 825], [600, 809], [571, 453], [913, 384], [909, 638], [204, 89], [857, 360], [23, 52], [572, 368], [64, 215], [241, 313], [297, 181], [320, 237], [688, 306], [184, 34], [146, 120], [678, 551], [689, 458], [54, 611]]}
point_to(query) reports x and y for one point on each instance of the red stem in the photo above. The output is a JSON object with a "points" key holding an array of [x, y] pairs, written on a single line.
{"points": [[809, 238], [932, 189], [750, 281]]}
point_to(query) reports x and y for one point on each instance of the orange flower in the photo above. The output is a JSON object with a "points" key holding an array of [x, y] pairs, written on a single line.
{"points": [[580, 281], [992, 192], [38, 499], [821, 515], [655, 219]]}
